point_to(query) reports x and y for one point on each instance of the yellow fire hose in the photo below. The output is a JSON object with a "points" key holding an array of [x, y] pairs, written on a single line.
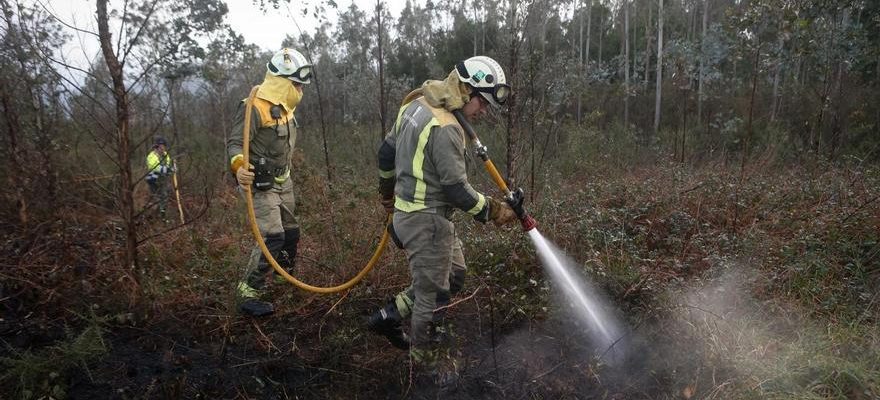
{"points": [[256, 230]]}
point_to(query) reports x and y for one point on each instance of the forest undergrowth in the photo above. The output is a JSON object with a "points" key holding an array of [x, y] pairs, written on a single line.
{"points": [[733, 283]]}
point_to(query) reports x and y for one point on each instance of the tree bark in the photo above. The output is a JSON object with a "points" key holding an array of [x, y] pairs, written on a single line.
{"points": [[14, 174], [581, 68], [626, 65], [379, 32], [589, 25], [777, 73], [700, 89], [648, 46], [749, 128], [659, 92], [475, 28], [601, 36], [120, 95], [513, 53]]}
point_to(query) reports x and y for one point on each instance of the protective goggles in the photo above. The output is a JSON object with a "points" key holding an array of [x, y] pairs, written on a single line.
{"points": [[498, 92], [302, 75]]}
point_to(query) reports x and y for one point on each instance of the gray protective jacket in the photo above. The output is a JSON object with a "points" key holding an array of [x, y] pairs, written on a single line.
{"points": [[272, 137], [423, 159]]}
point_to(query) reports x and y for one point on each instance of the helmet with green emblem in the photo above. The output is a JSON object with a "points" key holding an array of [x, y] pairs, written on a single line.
{"points": [[486, 77]]}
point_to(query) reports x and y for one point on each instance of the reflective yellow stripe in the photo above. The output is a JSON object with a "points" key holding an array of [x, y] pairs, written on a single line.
{"points": [[282, 178], [419, 162], [386, 174], [235, 158], [480, 204], [406, 206]]}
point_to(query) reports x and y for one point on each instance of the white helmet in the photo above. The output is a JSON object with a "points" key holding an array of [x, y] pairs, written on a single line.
{"points": [[486, 77], [291, 64]]}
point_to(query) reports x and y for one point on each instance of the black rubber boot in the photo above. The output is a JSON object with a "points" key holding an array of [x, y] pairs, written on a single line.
{"points": [[387, 322], [287, 255], [256, 308]]}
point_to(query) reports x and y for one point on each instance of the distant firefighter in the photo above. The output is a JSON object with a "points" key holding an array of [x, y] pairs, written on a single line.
{"points": [[159, 170]]}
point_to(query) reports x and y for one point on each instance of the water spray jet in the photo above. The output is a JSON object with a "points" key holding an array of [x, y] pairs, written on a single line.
{"points": [[606, 331]]}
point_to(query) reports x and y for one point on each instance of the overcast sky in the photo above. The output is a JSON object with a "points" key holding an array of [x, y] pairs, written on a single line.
{"points": [[265, 30]]}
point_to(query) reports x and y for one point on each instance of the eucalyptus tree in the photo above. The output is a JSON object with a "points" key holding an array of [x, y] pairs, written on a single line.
{"points": [[626, 89], [659, 87], [151, 33], [412, 59], [30, 91], [354, 40]]}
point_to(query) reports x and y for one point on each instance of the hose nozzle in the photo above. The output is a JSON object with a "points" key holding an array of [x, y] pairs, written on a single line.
{"points": [[516, 199]]}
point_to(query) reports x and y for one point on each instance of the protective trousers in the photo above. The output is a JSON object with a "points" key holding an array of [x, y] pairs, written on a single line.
{"points": [[434, 252], [273, 209], [159, 191]]}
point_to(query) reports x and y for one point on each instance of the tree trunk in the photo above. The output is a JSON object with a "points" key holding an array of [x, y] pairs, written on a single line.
{"points": [[626, 65], [475, 28], [836, 117], [601, 36], [634, 18], [327, 165], [379, 32], [589, 25], [14, 174], [120, 95], [749, 128], [700, 89], [513, 53], [658, 97], [171, 109], [14, 169], [777, 73], [580, 55], [648, 46]]}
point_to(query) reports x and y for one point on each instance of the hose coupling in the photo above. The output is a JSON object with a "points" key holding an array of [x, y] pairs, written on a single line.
{"points": [[516, 199]]}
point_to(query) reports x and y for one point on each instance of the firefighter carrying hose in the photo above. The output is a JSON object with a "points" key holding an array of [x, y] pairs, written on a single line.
{"points": [[272, 140], [422, 179]]}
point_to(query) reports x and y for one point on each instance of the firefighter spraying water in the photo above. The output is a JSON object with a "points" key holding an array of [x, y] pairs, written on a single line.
{"points": [[422, 179]]}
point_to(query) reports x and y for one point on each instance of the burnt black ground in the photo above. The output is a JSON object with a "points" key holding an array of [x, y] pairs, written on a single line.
{"points": [[530, 359]]}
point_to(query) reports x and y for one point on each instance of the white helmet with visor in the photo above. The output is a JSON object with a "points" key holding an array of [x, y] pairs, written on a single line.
{"points": [[486, 77], [291, 64]]}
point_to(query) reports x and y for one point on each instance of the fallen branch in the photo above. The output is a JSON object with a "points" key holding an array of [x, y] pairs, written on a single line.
{"points": [[458, 301]]}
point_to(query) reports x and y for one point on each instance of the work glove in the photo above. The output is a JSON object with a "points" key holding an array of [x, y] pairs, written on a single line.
{"points": [[245, 176], [387, 202], [386, 194], [500, 212]]}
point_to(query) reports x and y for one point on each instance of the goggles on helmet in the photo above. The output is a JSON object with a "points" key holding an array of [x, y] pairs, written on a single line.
{"points": [[497, 92], [301, 75]]}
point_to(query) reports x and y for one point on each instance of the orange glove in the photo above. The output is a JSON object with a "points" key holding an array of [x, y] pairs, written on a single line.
{"points": [[500, 212], [235, 163]]}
